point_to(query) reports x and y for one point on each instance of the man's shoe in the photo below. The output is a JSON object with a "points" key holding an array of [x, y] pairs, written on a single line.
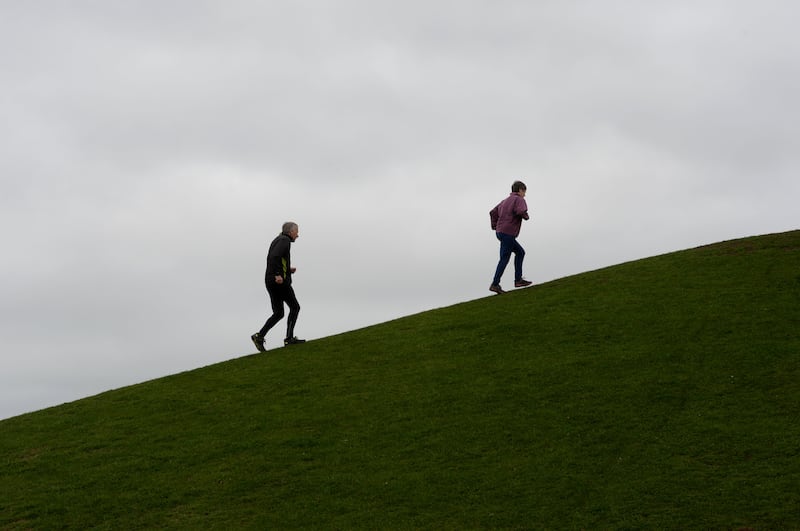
{"points": [[292, 341], [522, 283], [496, 288], [258, 341]]}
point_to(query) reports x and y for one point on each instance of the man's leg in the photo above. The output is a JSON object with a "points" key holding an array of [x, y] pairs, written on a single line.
{"points": [[519, 256], [294, 311], [506, 247], [276, 298]]}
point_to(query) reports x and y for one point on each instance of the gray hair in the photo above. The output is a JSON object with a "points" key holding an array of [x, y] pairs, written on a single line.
{"points": [[288, 227]]}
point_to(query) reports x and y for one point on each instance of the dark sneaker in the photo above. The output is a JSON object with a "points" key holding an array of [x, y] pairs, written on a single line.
{"points": [[522, 283], [496, 288], [293, 341], [258, 341]]}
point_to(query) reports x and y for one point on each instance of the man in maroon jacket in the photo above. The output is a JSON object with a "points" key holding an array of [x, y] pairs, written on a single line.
{"points": [[506, 220]]}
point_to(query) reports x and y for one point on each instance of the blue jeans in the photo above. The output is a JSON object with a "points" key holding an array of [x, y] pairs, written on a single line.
{"points": [[508, 245]]}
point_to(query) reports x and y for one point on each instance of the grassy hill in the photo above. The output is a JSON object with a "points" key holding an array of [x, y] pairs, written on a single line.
{"points": [[661, 393]]}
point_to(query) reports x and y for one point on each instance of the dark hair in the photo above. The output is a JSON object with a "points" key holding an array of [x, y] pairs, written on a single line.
{"points": [[517, 186]]}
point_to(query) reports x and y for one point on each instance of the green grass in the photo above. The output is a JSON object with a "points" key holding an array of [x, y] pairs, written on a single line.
{"points": [[660, 394]]}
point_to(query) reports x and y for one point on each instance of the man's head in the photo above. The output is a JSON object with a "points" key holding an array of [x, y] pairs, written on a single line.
{"points": [[291, 229], [518, 187]]}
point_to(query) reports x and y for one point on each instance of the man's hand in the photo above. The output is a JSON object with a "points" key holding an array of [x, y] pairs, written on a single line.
{"points": [[278, 279], [293, 270]]}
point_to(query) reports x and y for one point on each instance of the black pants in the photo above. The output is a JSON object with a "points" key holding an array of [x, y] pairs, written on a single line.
{"points": [[278, 295]]}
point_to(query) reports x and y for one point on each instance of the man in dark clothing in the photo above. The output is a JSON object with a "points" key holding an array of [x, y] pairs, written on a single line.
{"points": [[278, 278], [506, 219]]}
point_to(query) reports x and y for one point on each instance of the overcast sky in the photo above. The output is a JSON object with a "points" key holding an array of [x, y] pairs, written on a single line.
{"points": [[150, 151]]}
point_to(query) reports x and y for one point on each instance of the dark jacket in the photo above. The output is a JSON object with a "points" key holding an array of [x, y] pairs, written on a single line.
{"points": [[279, 260]]}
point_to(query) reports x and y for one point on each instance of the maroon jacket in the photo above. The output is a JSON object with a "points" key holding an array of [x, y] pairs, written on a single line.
{"points": [[507, 216]]}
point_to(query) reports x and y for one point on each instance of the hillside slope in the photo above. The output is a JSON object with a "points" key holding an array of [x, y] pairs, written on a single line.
{"points": [[661, 393]]}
